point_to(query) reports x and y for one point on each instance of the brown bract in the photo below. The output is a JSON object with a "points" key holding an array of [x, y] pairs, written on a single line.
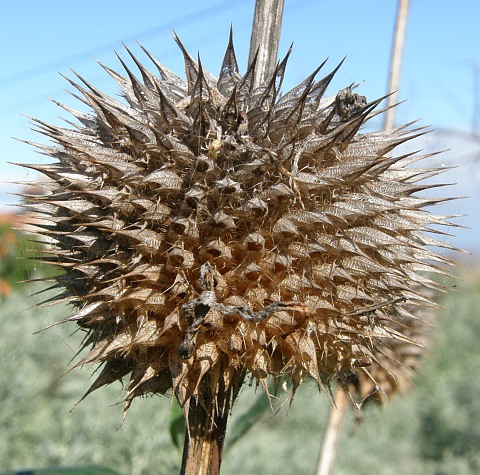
{"points": [[207, 228], [394, 362]]}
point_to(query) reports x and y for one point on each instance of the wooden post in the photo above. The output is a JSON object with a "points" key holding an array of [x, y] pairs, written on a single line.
{"points": [[396, 61], [266, 30], [328, 452]]}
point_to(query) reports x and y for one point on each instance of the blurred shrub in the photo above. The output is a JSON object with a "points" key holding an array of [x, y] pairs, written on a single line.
{"points": [[449, 410], [18, 251], [65, 471], [432, 430]]}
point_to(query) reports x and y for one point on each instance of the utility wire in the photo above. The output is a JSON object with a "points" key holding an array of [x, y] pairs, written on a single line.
{"points": [[186, 20], [67, 61], [218, 9]]}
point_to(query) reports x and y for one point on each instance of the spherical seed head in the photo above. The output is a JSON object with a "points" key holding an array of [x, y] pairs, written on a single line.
{"points": [[394, 362], [206, 227]]}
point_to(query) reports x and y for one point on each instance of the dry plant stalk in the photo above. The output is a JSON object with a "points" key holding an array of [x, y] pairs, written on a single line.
{"points": [[396, 60], [390, 372], [209, 229]]}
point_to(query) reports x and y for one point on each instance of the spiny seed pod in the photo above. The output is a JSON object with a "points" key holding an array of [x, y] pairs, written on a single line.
{"points": [[209, 228], [394, 363]]}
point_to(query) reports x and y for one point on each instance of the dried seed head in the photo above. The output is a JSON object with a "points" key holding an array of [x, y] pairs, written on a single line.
{"points": [[394, 362], [205, 226]]}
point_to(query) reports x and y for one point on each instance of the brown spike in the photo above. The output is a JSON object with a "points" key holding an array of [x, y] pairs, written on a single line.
{"points": [[191, 68], [246, 83], [300, 92], [166, 75], [147, 77], [113, 370], [93, 89], [229, 72], [137, 86], [269, 96], [320, 87]]}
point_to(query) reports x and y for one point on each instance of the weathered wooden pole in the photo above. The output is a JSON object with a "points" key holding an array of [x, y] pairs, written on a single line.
{"points": [[396, 60], [331, 436], [266, 30]]}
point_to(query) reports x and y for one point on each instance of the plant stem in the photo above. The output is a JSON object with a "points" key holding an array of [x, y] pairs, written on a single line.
{"points": [[266, 29], [332, 433], [202, 453], [396, 60], [207, 423]]}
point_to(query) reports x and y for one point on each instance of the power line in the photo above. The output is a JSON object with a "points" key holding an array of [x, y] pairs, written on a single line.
{"points": [[186, 20], [107, 47], [67, 61], [40, 99]]}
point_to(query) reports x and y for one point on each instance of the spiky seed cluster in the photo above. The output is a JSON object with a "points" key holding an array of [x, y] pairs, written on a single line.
{"points": [[394, 361], [205, 226]]}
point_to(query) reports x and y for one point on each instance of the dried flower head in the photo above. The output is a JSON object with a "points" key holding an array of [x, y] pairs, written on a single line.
{"points": [[207, 228], [394, 362]]}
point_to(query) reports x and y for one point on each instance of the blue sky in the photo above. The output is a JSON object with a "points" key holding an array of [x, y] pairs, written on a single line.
{"points": [[442, 50]]}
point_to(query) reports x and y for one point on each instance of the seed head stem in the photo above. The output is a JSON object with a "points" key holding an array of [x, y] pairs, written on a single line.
{"points": [[207, 424], [266, 29]]}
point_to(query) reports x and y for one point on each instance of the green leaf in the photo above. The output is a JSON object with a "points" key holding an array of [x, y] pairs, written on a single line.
{"points": [[245, 422], [177, 424], [90, 470]]}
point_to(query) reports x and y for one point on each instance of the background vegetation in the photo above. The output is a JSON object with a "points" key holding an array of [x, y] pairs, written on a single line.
{"points": [[432, 430]]}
